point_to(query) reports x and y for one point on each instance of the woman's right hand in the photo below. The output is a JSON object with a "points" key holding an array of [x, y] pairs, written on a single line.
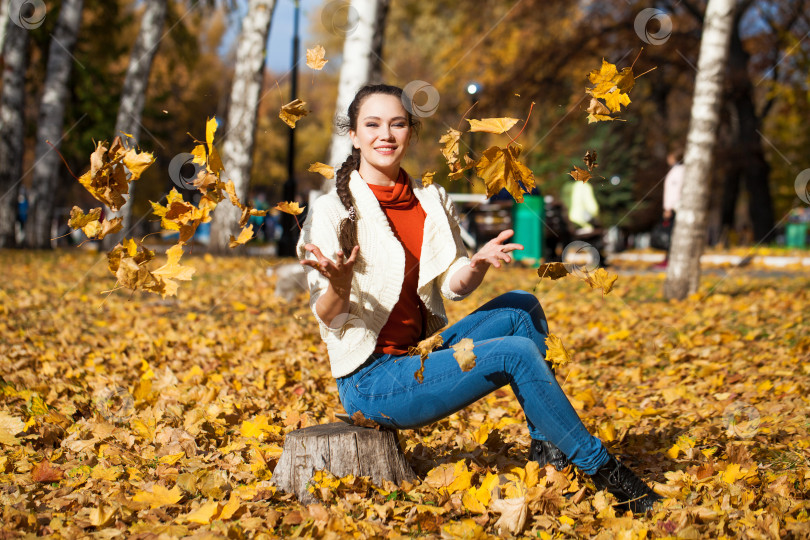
{"points": [[339, 273]]}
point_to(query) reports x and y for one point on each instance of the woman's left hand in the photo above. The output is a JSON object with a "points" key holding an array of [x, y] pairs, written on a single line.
{"points": [[495, 251]]}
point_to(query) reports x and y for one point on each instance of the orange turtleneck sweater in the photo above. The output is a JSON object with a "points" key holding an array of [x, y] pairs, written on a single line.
{"points": [[406, 324]]}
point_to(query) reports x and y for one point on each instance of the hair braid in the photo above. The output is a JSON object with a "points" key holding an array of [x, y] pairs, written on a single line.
{"points": [[348, 227]]}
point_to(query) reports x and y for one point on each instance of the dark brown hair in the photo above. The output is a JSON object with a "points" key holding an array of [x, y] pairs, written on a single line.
{"points": [[347, 233]]}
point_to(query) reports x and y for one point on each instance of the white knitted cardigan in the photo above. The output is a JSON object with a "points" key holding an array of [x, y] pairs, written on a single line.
{"points": [[376, 286]]}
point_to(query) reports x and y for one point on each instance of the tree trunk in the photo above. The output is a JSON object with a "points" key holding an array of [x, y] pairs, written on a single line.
{"points": [[12, 126], [50, 125], [4, 23], [689, 235], [133, 96], [342, 450], [361, 52], [237, 149]]}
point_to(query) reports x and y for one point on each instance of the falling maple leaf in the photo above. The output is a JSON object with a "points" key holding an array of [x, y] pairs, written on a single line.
{"points": [[580, 175], [556, 353], [327, 171], [315, 57], [427, 178], [598, 112], [290, 208], [590, 159], [554, 270], [500, 168], [109, 175], [611, 87], [602, 279], [292, 112], [464, 354], [450, 149], [492, 125], [172, 270], [244, 235], [423, 349]]}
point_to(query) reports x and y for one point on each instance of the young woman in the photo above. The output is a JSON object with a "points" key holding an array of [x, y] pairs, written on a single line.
{"points": [[381, 251]]}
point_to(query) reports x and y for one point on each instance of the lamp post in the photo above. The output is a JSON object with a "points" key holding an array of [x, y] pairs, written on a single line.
{"points": [[289, 225], [473, 89]]}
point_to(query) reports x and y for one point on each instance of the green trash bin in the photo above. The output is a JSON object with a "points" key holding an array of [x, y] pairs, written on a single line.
{"points": [[796, 235], [527, 221]]}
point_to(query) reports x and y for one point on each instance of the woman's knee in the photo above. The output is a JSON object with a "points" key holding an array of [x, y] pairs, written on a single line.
{"points": [[526, 355]]}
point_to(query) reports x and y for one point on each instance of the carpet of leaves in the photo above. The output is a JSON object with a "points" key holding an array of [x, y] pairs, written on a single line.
{"points": [[132, 416]]}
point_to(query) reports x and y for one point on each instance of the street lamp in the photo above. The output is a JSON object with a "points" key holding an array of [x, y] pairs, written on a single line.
{"points": [[289, 226], [473, 89]]}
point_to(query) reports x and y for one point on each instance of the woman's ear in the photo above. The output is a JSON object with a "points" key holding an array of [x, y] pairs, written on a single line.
{"points": [[353, 137]]}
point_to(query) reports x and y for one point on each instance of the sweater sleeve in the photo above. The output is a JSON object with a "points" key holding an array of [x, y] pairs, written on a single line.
{"points": [[462, 257], [321, 229]]}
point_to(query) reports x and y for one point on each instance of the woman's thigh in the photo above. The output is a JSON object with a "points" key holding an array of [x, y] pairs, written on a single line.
{"points": [[389, 392]]}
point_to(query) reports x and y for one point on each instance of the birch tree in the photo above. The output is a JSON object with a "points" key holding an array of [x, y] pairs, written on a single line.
{"points": [[50, 124], [133, 94], [689, 235], [12, 125], [362, 51], [240, 125]]}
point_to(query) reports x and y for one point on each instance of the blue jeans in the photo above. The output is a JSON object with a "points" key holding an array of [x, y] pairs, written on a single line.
{"points": [[509, 333]]}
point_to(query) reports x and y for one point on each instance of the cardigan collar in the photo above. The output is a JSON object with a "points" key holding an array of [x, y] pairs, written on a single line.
{"points": [[435, 257]]}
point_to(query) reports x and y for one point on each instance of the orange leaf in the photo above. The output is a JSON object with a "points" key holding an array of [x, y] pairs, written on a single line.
{"points": [[290, 208], [315, 57]]}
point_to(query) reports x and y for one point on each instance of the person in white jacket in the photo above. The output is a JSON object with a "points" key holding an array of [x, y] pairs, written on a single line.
{"points": [[381, 250]]}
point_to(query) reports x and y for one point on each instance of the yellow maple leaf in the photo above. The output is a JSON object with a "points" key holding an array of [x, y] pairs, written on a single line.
{"points": [[500, 168], [171, 459], [230, 508], [492, 125], [423, 349], [556, 352], [290, 208], [172, 269], [159, 496], [293, 111], [427, 178], [245, 235], [327, 171], [614, 100], [204, 513], [450, 148], [315, 57], [733, 473], [601, 278], [464, 354], [471, 501], [78, 219], [137, 162]]}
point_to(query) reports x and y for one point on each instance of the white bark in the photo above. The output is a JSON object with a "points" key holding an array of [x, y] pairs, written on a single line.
{"points": [[359, 59], [133, 94], [12, 125], [237, 149], [689, 235], [50, 126], [4, 22]]}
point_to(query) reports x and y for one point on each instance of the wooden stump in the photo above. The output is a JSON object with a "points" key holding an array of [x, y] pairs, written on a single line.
{"points": [[341, 449]]}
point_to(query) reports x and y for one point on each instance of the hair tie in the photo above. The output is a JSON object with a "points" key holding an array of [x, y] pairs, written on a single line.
{"points": [[352, 214]]}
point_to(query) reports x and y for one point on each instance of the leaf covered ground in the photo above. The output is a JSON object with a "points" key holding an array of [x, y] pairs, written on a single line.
{"points": [[133, 416]]}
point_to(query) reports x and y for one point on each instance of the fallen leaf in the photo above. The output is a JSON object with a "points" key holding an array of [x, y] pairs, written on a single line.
{"points": [[513, 514], [45, 472]]}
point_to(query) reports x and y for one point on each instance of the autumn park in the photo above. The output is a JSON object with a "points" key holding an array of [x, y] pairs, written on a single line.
{"points": [[399, 269]]}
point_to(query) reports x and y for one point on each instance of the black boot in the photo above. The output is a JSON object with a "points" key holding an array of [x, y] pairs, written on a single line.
{"points": [[545, 452], [629, 489]]}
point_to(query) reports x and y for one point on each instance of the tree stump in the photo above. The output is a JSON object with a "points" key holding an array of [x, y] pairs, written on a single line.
{"points": [[341, 449]]}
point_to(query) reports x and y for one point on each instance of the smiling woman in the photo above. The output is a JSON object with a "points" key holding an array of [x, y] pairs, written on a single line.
{"points": [[381, 251]]}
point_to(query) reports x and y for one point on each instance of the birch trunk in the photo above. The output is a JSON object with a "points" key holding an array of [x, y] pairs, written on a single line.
{"points": [[133, 95], [50, 126], [4, 23], [361, 58], [12, 125], [689, 235], [240, 134]]}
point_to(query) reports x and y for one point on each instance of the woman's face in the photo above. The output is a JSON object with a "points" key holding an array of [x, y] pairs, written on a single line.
{"points": [[382, 136]]}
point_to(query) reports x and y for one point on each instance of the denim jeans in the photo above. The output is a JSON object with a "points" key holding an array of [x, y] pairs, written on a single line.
{"points": [[509, 333]]}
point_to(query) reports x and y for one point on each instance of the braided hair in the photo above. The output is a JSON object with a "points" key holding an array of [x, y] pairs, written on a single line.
{"points": [[347, 234]]}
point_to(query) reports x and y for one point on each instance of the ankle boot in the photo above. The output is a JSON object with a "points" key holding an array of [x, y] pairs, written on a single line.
{"points": [[629, 489], [545, 452]]}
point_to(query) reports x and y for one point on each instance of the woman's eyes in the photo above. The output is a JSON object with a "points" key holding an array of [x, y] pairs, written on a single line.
{"points": [[397, 125]]}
